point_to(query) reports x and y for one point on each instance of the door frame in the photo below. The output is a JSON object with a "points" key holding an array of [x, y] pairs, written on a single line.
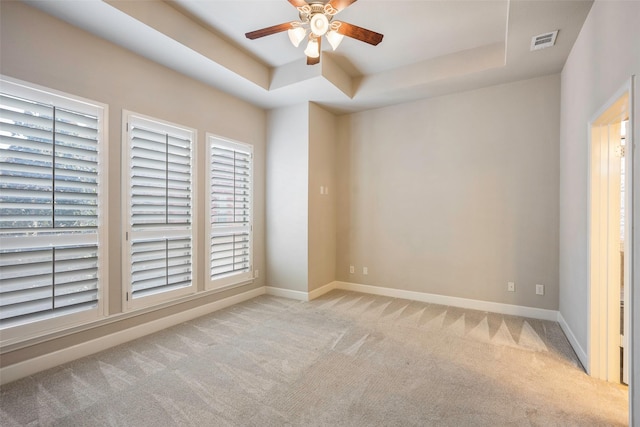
{"points": [[634, 292], [604, 328]]}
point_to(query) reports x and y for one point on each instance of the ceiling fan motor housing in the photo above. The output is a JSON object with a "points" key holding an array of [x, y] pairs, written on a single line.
{"points": [[307, 12]]}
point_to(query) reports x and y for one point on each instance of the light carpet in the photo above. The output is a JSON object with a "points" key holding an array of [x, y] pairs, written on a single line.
{"points": [[344, 359]]}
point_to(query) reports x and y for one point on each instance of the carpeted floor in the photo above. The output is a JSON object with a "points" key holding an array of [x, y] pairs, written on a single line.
{"points": [[345, 359]]}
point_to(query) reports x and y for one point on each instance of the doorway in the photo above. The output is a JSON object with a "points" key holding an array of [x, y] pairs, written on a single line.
{"points": [[610, 239]]}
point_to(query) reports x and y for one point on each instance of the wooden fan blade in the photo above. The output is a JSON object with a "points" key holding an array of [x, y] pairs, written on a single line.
{"points": [[298, 3], [341, 4], [269, 30], [314, 61], [360, 33]]}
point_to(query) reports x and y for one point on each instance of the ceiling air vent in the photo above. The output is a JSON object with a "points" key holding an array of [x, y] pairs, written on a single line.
{"points": [[544, 40]]}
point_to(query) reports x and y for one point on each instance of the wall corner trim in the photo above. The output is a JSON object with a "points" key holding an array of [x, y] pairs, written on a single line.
{"points": [[46, 361], [300, 295], [287, 293], [582, 355]]}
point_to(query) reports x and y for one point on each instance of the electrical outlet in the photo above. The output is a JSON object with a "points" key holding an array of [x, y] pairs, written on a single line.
{"points": [[365, 270], [321, 189], [511, 286], [539, 289], [352, 269]]}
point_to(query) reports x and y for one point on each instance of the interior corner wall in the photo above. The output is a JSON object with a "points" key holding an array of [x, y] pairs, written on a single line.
{"points": [[41, 49], [322, 197], [603, 59], [287, 197], [455, 195]]}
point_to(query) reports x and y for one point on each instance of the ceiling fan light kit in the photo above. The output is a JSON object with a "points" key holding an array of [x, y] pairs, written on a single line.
{"points": [[334, 38], [297, 33], [317, 16], [312, 50]]}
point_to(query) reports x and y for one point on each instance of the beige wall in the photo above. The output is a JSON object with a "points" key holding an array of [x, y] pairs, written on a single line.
{"points": [[40, 49], [604, 57], [301, 225], [322, 207], [287, 197], [455, 195]]}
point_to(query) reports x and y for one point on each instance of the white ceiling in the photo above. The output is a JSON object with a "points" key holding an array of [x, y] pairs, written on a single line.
{"points": [[414, 30], [430, 47]]}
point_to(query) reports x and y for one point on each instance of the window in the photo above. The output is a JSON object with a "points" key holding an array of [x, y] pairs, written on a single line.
{"points": [[159, 200], [52, 153], [230, 212]]}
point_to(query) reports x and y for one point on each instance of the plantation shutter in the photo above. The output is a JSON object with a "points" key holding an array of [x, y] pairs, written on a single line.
{"points": [[160, 207], [48, 210], [230, 211]]}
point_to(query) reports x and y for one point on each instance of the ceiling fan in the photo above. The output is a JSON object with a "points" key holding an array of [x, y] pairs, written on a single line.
{"points": [[316, 16]]}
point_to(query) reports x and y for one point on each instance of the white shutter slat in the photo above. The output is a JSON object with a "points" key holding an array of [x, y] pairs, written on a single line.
{"points": [[11, 313], [30, 281], [87, 285], [38, 173], [149, 154], [13, 300], [83, 126], [153, 275], [14, 144], [146, 162], [16, 118], [14, 135], [75, 145], [23, 264], [77, 300], [10, 103]]}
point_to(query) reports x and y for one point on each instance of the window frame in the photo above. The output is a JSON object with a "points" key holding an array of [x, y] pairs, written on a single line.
{"points": [[128, 302], [239, 279], [48, 236]]}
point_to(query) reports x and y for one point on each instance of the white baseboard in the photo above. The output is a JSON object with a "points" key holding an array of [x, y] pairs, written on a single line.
{"points": [[494, 307], [300, 295], [287, 293], [582, 355], [322, 290], [31, 366]]}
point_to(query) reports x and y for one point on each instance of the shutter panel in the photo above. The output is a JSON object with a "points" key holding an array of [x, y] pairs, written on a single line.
{"points": [[160, 208], [38, 283], [230, 210], [229, 254], [178, 181], [160, 178], [26, 163], [160, 265], [148, 177], [76, 170], [49, 165]]}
